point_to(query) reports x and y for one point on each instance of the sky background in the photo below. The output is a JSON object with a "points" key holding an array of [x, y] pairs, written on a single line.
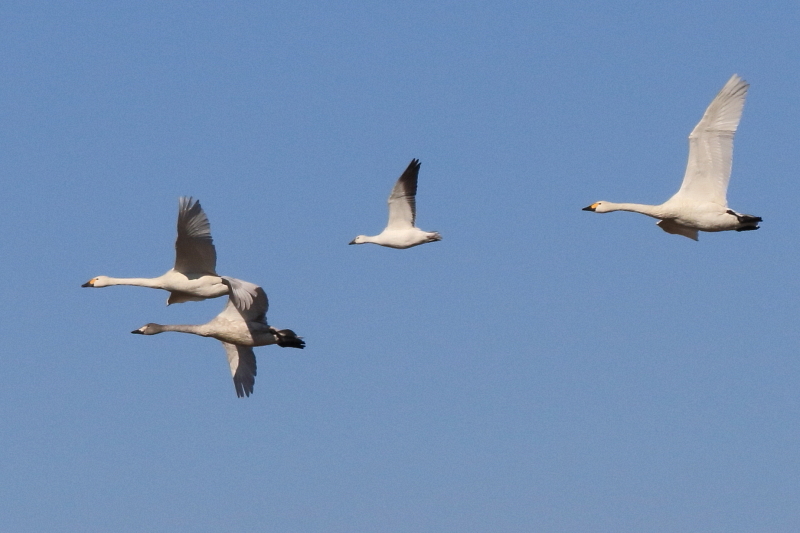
{"points": [[539, 369]]}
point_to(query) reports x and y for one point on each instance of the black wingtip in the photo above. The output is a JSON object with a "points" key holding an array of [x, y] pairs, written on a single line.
{"points": [[244, 388], [413, 166]]}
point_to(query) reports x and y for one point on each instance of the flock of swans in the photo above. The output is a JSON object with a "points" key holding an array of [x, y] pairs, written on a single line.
{"points": [[240, 326], [699, 205]]}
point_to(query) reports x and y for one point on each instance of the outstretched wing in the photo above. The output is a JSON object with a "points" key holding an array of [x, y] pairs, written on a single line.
{"points": [[711, 146], [243, 367], [194, 248], [402, 201], [247, 298]]}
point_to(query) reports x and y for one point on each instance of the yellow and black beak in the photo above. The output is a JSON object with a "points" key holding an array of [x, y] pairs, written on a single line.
{"points": [[590, 207], [89, 283]]}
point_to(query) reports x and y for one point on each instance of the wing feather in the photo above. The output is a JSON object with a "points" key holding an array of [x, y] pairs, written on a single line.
{"points": [[194, 248], [402, 201], [711, 146], [247, 299], [242, 361], [670, 226]]}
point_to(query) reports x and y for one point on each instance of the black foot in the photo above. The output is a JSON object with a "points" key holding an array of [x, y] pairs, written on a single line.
{"points": [[744, 219], [287, 338], [747, 228]]}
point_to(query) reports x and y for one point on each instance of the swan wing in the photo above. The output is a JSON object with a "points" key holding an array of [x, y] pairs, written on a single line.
{"points": [[246, 299], [670, 226], [242, 361], [194, 248], [402, 201], [711, 146]]}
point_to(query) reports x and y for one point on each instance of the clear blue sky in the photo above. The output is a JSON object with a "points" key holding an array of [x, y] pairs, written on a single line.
{"points": [[540, 369]]}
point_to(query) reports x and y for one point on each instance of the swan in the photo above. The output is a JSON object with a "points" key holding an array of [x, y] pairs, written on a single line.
{"points": [[400, 232], [239, 331], [194, 276], [700, 204]]}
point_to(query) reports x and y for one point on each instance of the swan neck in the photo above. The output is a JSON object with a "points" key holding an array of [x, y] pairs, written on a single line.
{"points": [[654, 211], [181, 328], [153, 283]]}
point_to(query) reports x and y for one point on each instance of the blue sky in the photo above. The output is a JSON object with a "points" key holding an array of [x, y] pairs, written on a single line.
{"points": [[540, 369]]}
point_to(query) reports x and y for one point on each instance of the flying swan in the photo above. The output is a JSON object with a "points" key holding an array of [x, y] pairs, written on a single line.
{"points": [[400, 232], [700, 204], [194, 276], [239, 331]]}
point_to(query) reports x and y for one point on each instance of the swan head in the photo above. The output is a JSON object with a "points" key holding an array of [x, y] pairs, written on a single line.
{"points": [[599, 207], [148, 329], [361, 239], [99, 281]]}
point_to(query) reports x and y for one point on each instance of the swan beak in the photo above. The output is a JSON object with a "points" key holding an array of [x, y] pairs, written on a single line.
{"points": [[89, 283], [590, 207], [352, 242], [137, 332]]}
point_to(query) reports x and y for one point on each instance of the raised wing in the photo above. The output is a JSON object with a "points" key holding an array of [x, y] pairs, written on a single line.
{"points": [[194, 248], [243, 367], [247, 299], [402, 201], [711, 146]]}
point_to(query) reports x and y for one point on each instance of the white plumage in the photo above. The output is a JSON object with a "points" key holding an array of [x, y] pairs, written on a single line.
{"points": [[239, 331], [400, 232], [701, 204], [194, 276]]}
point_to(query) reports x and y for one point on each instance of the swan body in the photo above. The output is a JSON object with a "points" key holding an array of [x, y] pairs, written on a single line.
{"points": [[238, 330], [194, 276], [182, 288], [400, 232], [701, 204]]}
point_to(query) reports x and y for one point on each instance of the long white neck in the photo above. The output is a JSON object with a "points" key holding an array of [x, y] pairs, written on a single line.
{"points": [[154, 283], [201, 330], [655, 211]]}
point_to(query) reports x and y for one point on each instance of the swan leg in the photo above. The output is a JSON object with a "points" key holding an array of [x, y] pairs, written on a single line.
{"points": [[286, 338], [744, 219], [750, 220]]}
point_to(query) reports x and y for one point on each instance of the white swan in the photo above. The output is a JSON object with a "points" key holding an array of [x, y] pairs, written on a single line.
{"points": [[400, 232], [701, 202], [238, 331], [194, 276]]}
